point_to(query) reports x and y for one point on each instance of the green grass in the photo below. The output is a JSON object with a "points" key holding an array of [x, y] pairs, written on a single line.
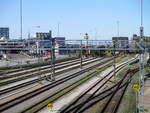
{"points": [[147, 69], [125, 58], [129, 100]]}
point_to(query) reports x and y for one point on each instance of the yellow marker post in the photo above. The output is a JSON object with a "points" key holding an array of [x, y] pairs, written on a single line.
{"points": [[136, 87], [97, 70], [50, 106]]}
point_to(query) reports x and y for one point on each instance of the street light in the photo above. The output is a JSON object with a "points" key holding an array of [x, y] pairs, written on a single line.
{"points": [[21, 19], [29, 31], [58, 29], [118, 28]]}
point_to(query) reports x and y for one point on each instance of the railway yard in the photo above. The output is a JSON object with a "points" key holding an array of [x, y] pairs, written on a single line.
{"points": [[75, 56], [91, 86]]}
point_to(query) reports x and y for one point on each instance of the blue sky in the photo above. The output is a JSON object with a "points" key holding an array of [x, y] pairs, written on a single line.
{"points": [[76, 17]]}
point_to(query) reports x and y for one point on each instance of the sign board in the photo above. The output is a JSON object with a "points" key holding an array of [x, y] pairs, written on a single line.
{"points": [[136, 87], [109, 53], [50, 106]]}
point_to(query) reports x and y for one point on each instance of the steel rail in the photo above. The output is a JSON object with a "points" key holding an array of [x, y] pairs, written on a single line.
{"points": [[33, 81], [97, 90], [29, 70], [72, 104], [83, 103], [36, 92], [114, 92], [100, 94]]}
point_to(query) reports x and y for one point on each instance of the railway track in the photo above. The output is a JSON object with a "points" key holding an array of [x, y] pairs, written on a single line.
{"points": [[118, 90], [7, 90], [78, 104], [45, 70], [99, 98], [26, 71], [105, 95], [3, 75], [50, 99], [113, 102], [20, 72], [22, 98], [106, 109], [37, 107]]}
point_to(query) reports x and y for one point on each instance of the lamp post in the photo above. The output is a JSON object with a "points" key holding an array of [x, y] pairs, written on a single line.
{"points": [[58, 29], [81, 55], [29, 31], [118, 28], [21, 19], [114, 60], [52, 76]]}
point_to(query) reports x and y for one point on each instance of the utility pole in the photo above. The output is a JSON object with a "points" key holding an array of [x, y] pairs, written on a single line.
{"points": [[87, 38], [52, 77], [114, 59], [141, 64], [118, 28], [29, 35], [95, 34], [58, 29], [114, 63], [81, 55], [21, 19]]}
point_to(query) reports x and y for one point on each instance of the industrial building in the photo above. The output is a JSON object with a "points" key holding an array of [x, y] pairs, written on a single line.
{"points": [[4, 33], [120, 42], [44, 35], [137, 38], [60, 41]]}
